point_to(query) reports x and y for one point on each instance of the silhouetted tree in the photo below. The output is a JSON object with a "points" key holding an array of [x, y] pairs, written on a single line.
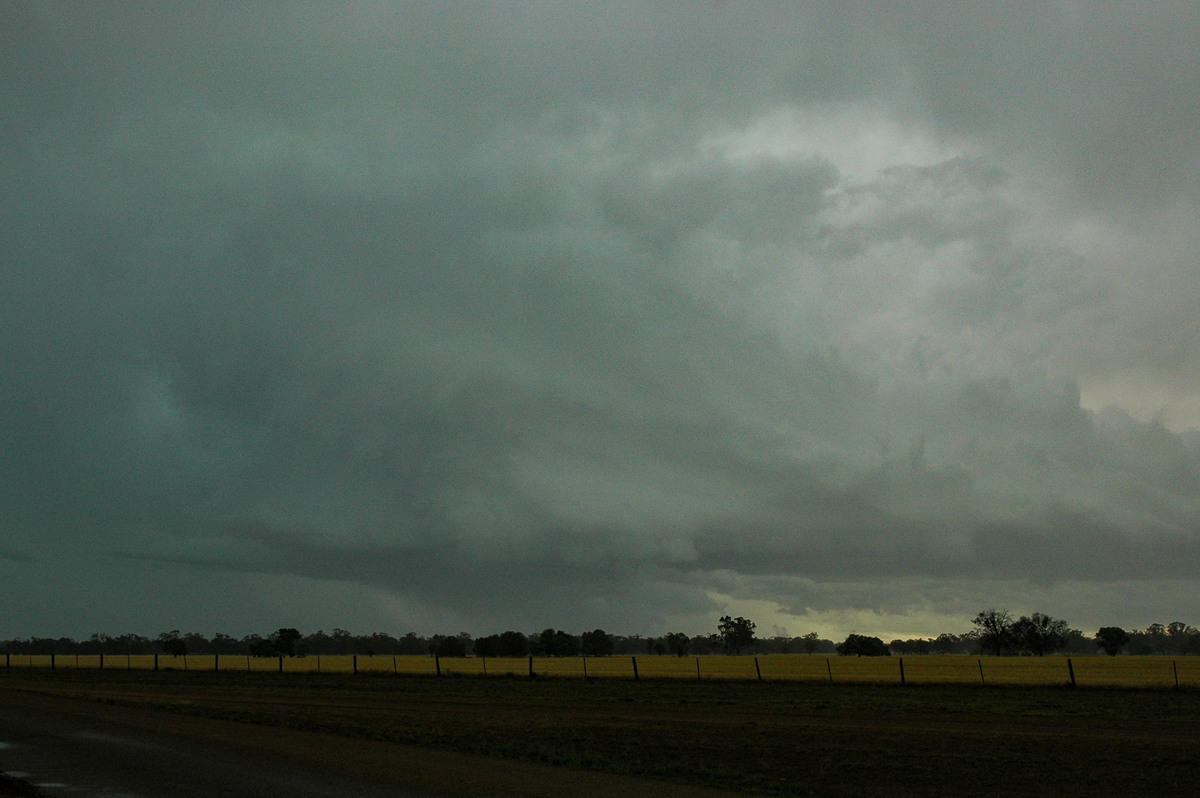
{"points": [[1039, 634], [1154, 639], [737, 634], [1112, 639], [819, 645], [1076, 642], [131, 644], [197, 643], [259, 646], [286, 641], [410, 643], [1173, 638], [943, 643], [556, 643], [224, 644], [171, 643], [488, 646], [513, 644], [342, 642], [596, 643], [626, 644], [677, 643], [565, 644], [96, 644], [1181, 638], [995, 629], [913, 645], [446, 646], [863, 646]]}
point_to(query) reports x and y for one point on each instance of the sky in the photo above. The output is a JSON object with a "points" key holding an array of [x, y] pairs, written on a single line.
{"points": [[438, 317]]}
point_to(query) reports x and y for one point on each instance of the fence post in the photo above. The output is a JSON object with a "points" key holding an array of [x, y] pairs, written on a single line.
{"points": [[356, 664], [530, 666], [636, 678], [584, 658], [902, 682], [1175, 669], [1071, 671], [757, 669], [437, 664], [697, 669], [156, 662], [981, 679], [829, 670], [484, 661], [216, 663], [52, 662], [281, 663], [101, 660]]}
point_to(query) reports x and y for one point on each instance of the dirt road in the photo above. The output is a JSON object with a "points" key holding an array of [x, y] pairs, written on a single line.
{"points": [[62, 750], [68, 747]]}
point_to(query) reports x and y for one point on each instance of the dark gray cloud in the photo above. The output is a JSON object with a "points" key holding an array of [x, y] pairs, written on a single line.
{"points": [[483, 316]]}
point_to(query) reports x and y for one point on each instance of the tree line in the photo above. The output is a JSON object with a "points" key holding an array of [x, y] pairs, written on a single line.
{"points": [[993, 632], [734, 638], [997, 632]]}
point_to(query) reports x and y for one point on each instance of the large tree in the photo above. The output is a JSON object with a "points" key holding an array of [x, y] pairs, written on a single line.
{"points": [[555, 643], [286, 641], [596, 643], [513, 644], [995, 629], [736, 634], [172, 643], [450, 646], [488, 646], [1040, 634], [1112, 639], [862, 646], [677, 643]]}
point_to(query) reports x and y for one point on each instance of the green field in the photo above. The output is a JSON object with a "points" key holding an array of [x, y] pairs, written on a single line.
{"points": [[1092, 671]]}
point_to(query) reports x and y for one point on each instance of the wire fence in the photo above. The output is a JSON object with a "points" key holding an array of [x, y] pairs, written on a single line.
{"points": [[1097, 671]]}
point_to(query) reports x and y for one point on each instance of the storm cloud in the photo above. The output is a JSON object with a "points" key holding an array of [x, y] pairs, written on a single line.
{"points": [[482, 316]]}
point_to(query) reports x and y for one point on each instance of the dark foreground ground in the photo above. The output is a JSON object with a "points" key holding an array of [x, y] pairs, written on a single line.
{"points": [[469, 736]]}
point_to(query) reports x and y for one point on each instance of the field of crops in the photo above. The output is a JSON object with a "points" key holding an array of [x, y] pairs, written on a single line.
{"points": [[1098, 671]]}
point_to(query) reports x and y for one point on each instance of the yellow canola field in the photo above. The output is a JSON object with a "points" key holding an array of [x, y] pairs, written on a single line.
{"points": [[1088, 671]]}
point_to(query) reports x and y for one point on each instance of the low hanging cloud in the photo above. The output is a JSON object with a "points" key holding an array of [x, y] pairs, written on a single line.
{"points": [[516, 316]]}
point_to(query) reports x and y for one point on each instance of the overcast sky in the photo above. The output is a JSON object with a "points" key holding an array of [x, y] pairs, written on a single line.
{"points": [[433, 317]]}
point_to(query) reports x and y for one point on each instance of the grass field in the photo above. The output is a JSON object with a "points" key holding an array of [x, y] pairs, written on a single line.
{"points": [[776, 737], [1094, 671]]}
